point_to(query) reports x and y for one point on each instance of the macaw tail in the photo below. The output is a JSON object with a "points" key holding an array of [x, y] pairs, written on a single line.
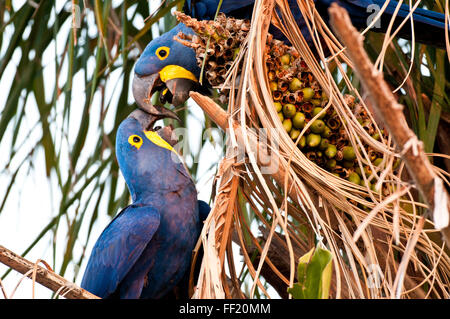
{"points": [[429, 26]]}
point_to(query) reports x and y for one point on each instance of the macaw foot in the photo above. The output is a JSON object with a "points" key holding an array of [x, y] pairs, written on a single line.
{"points": [[173, 91]]}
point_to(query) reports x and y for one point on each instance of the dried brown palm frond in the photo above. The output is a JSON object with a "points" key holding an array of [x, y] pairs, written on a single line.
{"points": [[382, 245]]}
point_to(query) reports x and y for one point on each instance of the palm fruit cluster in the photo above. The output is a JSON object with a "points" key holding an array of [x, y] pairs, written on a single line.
{"points": [[216, 43], [298, 97]]}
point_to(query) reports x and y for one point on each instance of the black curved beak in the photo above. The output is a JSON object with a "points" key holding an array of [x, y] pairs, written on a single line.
{"points": [[174, 91], [143, 89], [179, 90]]}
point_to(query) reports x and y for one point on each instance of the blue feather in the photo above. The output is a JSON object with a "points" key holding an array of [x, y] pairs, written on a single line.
{"points": [[429, 25], [118, 248], [146, 250], [203, 209], [179, 54]]}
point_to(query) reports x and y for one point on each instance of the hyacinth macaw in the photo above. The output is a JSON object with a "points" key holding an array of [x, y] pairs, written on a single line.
{"points": [[146, 250], [171, 68]]}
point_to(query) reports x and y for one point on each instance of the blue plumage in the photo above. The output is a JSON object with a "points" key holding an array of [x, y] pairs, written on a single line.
{"points": [[429, 25], [179, 54], [146, 249]]}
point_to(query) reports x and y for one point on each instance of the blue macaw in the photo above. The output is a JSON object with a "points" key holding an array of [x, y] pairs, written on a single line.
{"points": [[170, 67], [145, 251]]}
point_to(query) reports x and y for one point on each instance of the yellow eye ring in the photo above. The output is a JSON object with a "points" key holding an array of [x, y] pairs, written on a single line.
{"points": [[135, 140], [162, 52]]}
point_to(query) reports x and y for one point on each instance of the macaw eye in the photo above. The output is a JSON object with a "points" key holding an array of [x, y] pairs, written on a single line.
{"points": [[162, 52], [135, 140]]}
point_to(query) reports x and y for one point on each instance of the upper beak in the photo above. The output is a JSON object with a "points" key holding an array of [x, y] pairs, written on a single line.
{"points": [[175, 91]]}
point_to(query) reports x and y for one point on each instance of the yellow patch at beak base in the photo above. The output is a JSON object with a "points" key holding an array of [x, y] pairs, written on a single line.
{"points": [[158, 140], [176, 72]]}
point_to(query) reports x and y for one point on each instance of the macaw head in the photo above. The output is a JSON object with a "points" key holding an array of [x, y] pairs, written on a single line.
{"points": [[166, 66], [147, 161]]}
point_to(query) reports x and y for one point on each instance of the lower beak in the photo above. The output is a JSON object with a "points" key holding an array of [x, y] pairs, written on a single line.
{"points": [[177, 93], [180, 88], [143, 89]]}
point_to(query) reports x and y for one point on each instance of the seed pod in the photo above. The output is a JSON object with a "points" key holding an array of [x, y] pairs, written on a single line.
{"points": [[273, 86], [318, 126], [298, 120], [308, 93], [324, 143], [289, 110], [294, 134], [376, 136], [354, 178], [330, 151], [396, 164], [316, 102], [302, 142], [285, 59], [313, 140], [271, 76], [287, 124], [295, 85], [278, 106], [331, 163], [359, 172], [316, 111], [347, 164], [367, 170], [281, 116], [377, 161], [297, 95], [348, 153], [326, 132], [236, 53]]}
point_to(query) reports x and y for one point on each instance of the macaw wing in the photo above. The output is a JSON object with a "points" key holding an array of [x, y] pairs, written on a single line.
{"points": [[118, 248], [203, 210]]}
